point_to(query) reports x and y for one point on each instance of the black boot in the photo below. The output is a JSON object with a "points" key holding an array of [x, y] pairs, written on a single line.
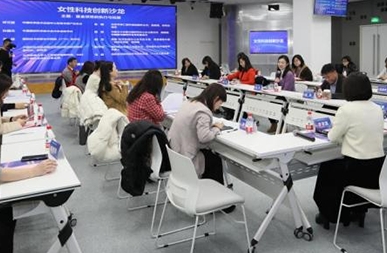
{"points": [[321, 220]]}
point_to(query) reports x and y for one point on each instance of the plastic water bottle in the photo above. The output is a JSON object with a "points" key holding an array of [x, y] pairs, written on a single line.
{"points": [[309, 121], [275, 86], [249, 123], [40, 114], [48, 136]]}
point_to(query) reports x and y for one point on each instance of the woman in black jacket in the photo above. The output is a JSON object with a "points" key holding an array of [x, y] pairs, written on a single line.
{"points": [[188, 68], [211, 70], [347, 66], [301, 71]]}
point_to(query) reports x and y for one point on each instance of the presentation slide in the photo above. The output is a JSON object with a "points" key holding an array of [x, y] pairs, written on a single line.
{"points": [[46, 34], [268, 42], [331, 7]]}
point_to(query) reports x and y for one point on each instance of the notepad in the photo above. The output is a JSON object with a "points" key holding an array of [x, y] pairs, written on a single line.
{"points": [[25, 135], [172, 103]]}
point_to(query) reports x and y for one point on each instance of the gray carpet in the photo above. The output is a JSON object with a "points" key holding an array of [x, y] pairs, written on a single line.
{"points": [[104, 224]]}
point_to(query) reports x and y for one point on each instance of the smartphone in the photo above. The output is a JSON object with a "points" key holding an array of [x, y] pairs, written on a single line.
{"points": [[34, 158]]}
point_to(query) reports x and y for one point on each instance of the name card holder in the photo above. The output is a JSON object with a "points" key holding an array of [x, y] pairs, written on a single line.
{"points": [[308, 94]]}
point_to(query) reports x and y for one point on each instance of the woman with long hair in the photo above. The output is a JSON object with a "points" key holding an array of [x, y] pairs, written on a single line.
{"points": [[144, 99], [112, 92], [301, 71], [246, 72]]}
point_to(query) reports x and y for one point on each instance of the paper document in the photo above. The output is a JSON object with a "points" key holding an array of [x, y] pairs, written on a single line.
{"points": [[172, 103]]}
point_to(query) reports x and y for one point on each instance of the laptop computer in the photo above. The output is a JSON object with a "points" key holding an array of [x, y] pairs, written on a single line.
{"points": [[322, 125]]}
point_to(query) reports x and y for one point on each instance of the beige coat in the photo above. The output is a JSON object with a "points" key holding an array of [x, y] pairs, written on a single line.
{"points": [[191, 131], [116, 98], [6, 126]]}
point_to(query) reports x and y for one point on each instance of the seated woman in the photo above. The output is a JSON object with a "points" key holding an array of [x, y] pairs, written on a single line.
{"points": [[284, 76], [347, 66], [246, 72], [211, 70], [193, 128], [143, 100], [84, 74], [358, 126], [383, 74], [111, 91], [7, 224], [188, 68], [285, 79], [9, 124], [301, 71]]}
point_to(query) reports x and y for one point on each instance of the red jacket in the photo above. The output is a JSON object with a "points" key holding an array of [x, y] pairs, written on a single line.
{"points": [[244, 77]]}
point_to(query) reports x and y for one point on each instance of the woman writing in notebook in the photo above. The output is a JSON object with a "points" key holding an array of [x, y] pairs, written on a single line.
{"points": [[193, 128], [246, 72], [7, 224]]}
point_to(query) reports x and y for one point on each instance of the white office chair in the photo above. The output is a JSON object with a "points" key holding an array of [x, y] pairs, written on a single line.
{"points": [[156, 160], [196, 197], [376, 197]]}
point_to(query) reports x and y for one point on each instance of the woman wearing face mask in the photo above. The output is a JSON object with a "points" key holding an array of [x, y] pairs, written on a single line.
{"points": [[348, 66], [246, 72], [188, 68], [383, 74], [111, 91]]}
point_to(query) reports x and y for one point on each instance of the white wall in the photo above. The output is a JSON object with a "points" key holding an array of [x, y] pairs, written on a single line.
{"points": [[197, 34], [311, 35]]}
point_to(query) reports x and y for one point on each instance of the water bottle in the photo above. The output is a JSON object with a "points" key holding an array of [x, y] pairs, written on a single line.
{"points": [[319, 93], [48, 139], [275, 87], [309, 121], [40, 114], [249, 123], [24, 89]]}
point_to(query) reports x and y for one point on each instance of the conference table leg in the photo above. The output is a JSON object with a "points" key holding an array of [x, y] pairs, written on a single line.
{"points": [[299, 216], [66, 235]]}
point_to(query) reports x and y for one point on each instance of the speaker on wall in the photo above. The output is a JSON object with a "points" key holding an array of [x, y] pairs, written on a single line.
{"points": [[216, 10]]}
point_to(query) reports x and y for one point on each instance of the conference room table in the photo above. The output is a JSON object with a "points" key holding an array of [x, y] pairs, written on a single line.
{"points": [[49, 191], [262, 161]]}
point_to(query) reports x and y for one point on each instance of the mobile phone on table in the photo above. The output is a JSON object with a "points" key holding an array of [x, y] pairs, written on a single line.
{"points": [[34, 158]]}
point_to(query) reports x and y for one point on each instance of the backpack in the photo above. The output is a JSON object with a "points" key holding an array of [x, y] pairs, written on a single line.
{"points": [[56, 92], [261, 80]]}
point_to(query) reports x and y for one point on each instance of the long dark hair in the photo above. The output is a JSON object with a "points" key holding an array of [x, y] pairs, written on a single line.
{"points": [[207, 60], [299, 57], [5, 85], [287, 69], [209, 95], [184, 60], [104, 85], [87, 68], [152, 82], [247, 62]]}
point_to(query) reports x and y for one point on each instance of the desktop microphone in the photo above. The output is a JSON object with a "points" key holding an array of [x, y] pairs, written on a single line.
{"points": [[305, 136], [278, 74]]}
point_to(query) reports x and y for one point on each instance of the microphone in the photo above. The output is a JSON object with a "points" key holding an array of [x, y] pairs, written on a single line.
{"points": [[305, 136], [278, 74]]}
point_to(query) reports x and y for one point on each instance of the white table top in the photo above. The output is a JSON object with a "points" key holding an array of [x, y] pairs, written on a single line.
{"points": [[25, 135], [261, 145], [310, 83], [62, 179], [16, 96], [15, 112], [15, 151]]}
